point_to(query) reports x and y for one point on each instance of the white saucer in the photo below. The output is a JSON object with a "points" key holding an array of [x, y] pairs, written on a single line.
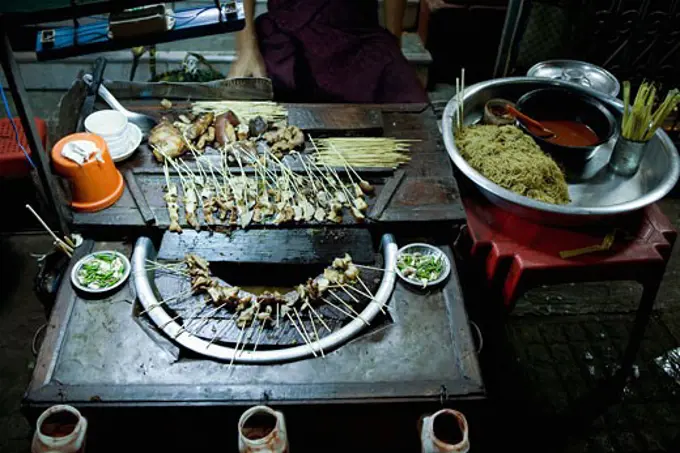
{"points": [[132, 140]]}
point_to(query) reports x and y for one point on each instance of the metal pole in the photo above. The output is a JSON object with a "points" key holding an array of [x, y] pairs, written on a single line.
{"points": [[16, 85]]}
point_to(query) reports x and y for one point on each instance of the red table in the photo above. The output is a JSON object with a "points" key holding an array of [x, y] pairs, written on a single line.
{"points": [[516, 255]]}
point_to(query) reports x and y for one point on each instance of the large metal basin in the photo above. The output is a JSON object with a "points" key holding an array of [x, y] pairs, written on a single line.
{"points": [[595, 191]]}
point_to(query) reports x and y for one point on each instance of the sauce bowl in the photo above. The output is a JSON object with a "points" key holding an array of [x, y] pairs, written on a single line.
{"points": [[559, 104]]}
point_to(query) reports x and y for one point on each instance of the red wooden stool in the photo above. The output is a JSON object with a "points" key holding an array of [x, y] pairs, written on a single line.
{"points": [[517, 255], [13, 161]]}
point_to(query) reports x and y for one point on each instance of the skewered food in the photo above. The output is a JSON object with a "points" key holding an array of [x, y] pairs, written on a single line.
{"points": [[166, 141], [170, 198], [510, 158]]}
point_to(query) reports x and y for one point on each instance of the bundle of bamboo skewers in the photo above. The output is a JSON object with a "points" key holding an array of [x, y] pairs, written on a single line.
{"points": [[245, 110], [639, 122], [363, 151]]}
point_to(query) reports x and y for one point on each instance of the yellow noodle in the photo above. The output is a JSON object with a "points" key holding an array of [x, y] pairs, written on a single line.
{"points": [[511, 159]]}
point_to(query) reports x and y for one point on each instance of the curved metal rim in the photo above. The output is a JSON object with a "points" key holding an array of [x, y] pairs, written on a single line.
{"points": [[659, 192], [143, 251], [609, 75]]}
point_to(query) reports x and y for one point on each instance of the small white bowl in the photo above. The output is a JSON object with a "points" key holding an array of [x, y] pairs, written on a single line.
{"points": [[85, 289], [425, 249], [133, 138], [108, 124]]}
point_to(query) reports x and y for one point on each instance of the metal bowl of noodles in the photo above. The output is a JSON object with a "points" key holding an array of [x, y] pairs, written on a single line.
{"points": [[596, 192]]}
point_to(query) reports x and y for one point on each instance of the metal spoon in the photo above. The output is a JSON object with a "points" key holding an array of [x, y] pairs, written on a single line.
{"points": [[144, 122], [545, 132]]}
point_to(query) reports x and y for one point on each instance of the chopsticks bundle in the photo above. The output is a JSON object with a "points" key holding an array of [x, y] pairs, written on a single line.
{"points": [[639, 122], [65, 245]]}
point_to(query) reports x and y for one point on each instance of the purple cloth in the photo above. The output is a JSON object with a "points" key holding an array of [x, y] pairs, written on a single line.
{"points": [[334, 51]]}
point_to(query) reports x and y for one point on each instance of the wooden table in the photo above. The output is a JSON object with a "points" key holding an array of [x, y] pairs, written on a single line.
{"points": [[427, 191], [367, 394]]}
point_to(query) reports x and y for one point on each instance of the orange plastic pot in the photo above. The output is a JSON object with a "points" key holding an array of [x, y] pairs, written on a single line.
{"points": [[94, 185]]}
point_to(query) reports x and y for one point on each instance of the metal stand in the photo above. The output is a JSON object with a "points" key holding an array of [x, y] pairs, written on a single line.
{"points": [[16, 85]]}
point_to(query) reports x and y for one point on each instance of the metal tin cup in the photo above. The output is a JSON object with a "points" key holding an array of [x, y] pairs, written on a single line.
{"points": [[626, 157]]}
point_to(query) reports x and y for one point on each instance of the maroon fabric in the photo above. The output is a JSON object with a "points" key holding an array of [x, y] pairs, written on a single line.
{"points": [[334, 51]]}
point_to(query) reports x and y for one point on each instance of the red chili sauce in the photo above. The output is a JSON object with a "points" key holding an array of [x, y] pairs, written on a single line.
{"points": [[569, 133]]}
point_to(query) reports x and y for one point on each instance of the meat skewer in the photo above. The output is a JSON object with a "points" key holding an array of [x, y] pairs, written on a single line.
{"points": [[302, 324], [238, 341], [316, 333], [349, 307], [292, 321], [165, 301]]}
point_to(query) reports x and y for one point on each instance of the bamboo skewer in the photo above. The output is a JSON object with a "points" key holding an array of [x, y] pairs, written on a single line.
{"points": [[462, 96], [165, 301], [238, 341], [259, 333], [318, 316], [372, 299], [250, 335], [206, 318], [372, 296], [64, 246], [349, 307], [349, 315], [219, 333], [316, 333], [292, 321], [352, 296], [304, 329], [373, 268], [363, 151]]}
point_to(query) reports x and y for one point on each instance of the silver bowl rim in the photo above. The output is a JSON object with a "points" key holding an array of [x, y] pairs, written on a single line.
{"points": [[659, 192]]}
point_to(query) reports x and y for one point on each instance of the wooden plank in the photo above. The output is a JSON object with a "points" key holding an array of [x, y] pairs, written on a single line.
{"points": [[424, 199], [138, 197], [241, 89], [291, 246], [335, 119], [386, 195]]}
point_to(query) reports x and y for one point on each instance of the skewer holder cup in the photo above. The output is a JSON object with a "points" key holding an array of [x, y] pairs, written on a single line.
{"points": [[626, 156]]}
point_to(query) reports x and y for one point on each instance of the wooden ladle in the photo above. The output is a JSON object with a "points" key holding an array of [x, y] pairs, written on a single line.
{"points": [[544, 131]]}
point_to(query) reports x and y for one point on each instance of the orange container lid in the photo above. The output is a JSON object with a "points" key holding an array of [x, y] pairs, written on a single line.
{"points": [[95, 185]]}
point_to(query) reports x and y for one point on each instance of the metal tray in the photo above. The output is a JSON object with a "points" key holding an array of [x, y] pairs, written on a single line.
{"points": [[144, 281], [596, 192]]}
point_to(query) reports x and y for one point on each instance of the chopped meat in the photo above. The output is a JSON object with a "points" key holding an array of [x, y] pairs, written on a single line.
{"points": [[166, 141]]}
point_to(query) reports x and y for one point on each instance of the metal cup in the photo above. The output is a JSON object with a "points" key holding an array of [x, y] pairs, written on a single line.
{"points": [[626, 157]]}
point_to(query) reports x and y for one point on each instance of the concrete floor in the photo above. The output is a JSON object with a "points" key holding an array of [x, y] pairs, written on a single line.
{"points": [[20, 316]]}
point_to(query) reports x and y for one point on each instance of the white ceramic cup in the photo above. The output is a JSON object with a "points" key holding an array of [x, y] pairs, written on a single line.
{"points": [[112, 126]]}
